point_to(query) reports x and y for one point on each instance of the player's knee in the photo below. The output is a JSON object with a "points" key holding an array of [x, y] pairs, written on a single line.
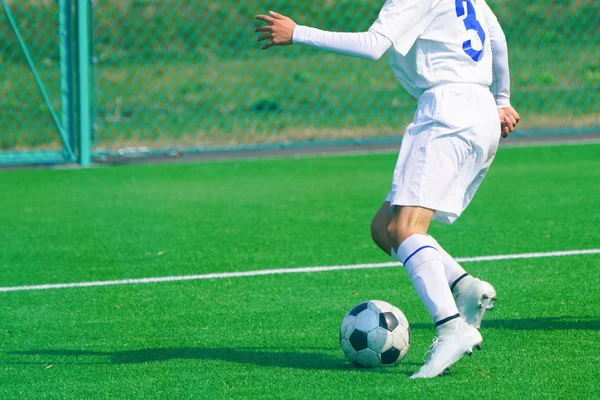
{"points": [[379, 233], [375, 229]]}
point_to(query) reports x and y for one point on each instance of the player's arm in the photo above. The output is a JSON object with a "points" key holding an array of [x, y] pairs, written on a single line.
{"points": [[509, 117], [281, 31]]}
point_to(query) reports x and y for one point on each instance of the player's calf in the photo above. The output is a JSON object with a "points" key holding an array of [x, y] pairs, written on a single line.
{"points": [[407, 221]]}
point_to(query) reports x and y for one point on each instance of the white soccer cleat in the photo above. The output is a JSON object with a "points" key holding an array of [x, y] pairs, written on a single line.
{"points": [[450, 346], [473, 298]]}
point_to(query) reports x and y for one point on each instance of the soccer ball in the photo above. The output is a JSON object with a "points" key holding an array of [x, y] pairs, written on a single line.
{"points": [[375, 334]]}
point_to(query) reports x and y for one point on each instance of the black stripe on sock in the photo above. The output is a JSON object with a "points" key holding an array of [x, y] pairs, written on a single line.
{"points": [[450, 318], [457, 280]]}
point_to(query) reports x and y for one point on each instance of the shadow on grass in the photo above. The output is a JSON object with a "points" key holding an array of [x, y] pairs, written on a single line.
{"points": [[537, 324], [257, 356]]}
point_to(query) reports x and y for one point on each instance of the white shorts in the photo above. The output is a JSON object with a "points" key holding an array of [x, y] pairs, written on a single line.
{"points": [[447, 150]]}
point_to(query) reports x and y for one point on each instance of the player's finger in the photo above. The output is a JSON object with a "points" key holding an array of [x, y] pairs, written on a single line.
{"points": [[509, 123], [516, 115], [267, 45], [264, 28], [275, 14], [512, 119], [264, 36], [265, 18], [504, 131]]}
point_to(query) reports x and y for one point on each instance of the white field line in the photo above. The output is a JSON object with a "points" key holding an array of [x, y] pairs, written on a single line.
{"points": [[283, 271]]}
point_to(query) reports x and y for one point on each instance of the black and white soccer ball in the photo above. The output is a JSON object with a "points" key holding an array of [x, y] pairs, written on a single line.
{"points": [[375, 334]]}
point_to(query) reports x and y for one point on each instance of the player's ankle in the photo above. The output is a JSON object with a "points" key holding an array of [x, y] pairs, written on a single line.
{"points": [[460, 282], [448, 324]]}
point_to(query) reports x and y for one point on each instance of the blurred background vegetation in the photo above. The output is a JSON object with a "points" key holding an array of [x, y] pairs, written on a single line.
{"points": [[172, 74]]}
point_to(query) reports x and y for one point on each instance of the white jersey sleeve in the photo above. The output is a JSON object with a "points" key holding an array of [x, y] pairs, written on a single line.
{"points": [[369, 45], [403, 21], [500, 72]]}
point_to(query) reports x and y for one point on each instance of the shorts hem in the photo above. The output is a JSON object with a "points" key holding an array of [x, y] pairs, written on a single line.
{"points": [[444, 214]]}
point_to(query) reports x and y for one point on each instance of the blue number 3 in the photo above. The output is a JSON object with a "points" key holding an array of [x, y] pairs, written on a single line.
{"points": [[466, 11]]}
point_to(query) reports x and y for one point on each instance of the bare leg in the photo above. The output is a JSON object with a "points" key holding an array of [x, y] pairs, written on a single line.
{"points": [[410, 244], [379, 226], [408, 221], [389, 229]]}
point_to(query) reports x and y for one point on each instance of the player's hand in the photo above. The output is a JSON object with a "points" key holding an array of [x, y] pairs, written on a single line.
{"points": [[509, 118], [278, 30]]}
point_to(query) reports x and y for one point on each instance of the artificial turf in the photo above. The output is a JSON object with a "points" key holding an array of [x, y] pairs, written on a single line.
{"points": [[276, 336]]}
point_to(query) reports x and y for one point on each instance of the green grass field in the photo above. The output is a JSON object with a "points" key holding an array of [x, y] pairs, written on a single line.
{"points": [[276, 336]]}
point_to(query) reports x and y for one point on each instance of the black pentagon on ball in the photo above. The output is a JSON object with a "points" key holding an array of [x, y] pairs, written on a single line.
{"points": [[358, 308], [358, 340], [388, 320], [390, 356]]}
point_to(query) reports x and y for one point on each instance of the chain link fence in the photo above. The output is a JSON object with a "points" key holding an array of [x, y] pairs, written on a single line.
{"points": [[172, 76], [26, 125]]}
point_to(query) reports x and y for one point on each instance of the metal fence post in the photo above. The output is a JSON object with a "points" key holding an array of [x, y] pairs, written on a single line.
{"points": [[83, 58], [65, 32]]}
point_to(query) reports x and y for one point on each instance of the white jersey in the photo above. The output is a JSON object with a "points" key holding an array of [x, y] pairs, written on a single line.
{"points": [[437, 41], [448, 148]]}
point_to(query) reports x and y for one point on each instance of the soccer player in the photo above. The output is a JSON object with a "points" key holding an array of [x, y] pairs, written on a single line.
{"points": [[452, 56]]}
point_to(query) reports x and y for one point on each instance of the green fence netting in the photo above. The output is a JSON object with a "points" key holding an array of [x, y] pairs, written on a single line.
{"points": [[172, 76], [28, 130], [175, 75]]}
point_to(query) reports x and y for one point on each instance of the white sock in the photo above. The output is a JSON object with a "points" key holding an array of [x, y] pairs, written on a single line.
{"points": [[454, 271], [423, 262]]}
